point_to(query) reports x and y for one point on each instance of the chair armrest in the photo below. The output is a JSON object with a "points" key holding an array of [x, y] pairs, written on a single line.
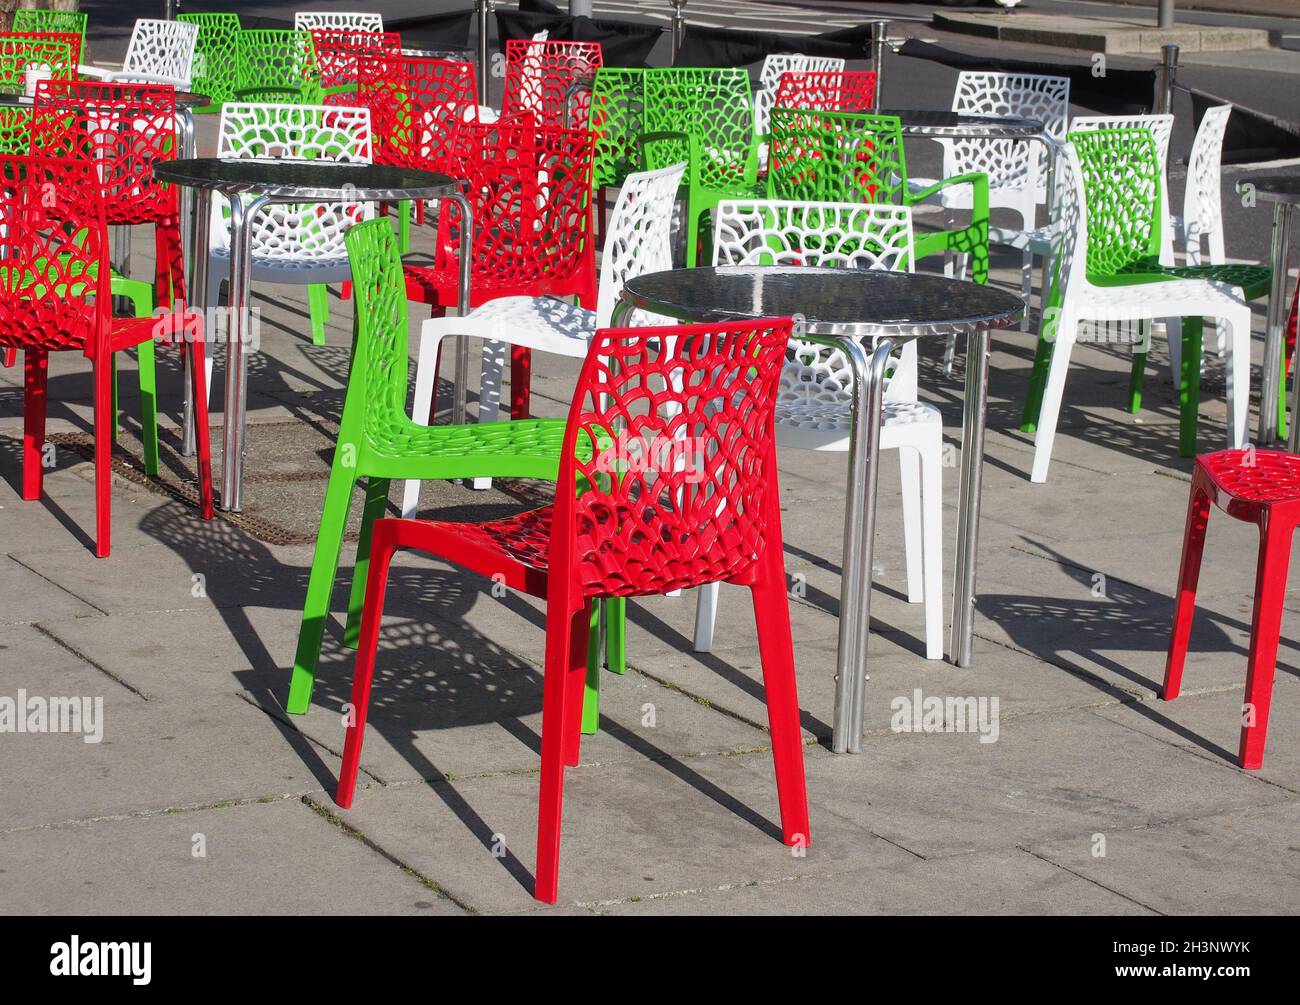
{"points": [[977, 180]]}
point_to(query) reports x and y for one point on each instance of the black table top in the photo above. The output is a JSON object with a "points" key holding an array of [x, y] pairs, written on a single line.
{"points": [[1272, 187], [833, 302], [307, 180]]}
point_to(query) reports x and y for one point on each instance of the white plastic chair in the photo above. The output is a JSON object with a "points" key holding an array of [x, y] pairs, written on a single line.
{"points": [[292, 243], [1016, 169], [314, 20], [639, 241], [1080, 300], [814, 404], [1201, 224], [159, 52]]}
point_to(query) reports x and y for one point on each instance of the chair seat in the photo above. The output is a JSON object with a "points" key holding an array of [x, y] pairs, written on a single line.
{"points": [[523, 448], [1255, 478], [438, 285], [959, 196], [290, 270], [545, 323], [825, 424], [1253, 280], [129, 332], [1114, 300]]}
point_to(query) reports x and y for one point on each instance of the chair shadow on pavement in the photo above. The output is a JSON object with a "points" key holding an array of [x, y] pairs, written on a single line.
{"points": [[433, 671]]}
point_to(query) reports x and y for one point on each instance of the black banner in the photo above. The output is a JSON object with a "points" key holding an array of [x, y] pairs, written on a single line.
{"points": [[1251, 137], [449, 30], [725, 47], [622, 43], [1117, 92]]}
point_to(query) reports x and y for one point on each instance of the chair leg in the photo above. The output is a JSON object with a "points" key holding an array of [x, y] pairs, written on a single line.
{"points": [[202, 435], [9, 357], [318, 303], [1053, 390], [706, 615], [320, 583], [561, 614], [1026, 284], [1189, 573], [909, 464], [489, 390], [932, 545], [521, 368], [365, 671], [148, 378], [1266, 624], [576, 681], [112, 395], [376, 503], [422, 409], [616, 635], [36, 363], [1137, 371], [1239, 377], [103, 454], [1173, 337], [1189, 390], [591, 697], [776, 649]]}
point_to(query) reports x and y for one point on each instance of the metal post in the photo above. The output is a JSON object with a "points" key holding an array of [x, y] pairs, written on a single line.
{"points": [[484, 14], [879, 29], [579, 8], [170, 9], [1165, 76], [1166, 18], [679, 27]]}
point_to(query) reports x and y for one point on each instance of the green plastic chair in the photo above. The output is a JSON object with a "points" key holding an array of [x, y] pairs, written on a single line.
{"points": [[277, 66], [1129, 254], [378, 441], [617, 118], [71, 22], [828, 156], [704, 117], [216, 56]]}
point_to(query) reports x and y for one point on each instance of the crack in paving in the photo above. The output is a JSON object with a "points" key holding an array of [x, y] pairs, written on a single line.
{"points": [[57, 585], [69, 647]]}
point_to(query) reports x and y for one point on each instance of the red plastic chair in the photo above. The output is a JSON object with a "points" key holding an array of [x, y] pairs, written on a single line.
{"points": [[827, 90], [125, 129], [60, 51], [54, 297], [529, 189], [540, 77], [667, 481], [1260, 487], [341, 53]]}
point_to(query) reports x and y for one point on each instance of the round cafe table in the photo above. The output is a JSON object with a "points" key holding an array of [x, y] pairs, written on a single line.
{"points": [[862, 312], [1283, 191], [252, 185]]}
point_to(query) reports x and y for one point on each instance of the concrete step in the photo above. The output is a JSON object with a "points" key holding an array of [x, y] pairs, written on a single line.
{"points": [[1134, 34]]}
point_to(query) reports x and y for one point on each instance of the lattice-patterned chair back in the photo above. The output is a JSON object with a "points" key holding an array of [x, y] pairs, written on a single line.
{"points": [[311, 20], [125, 129], [416, 104], [617, 120], [1010, 164], [1202, 199], [668, 475], [826, 234], [339, 54], [162, 49], [59, 52], [54, 282], [542, 80], [529, 189], [277, 66], [827, 156], [777, 64], [1161, 128], [62, 22], [216, 54], [714, 107], [1119, 171], [640, 234], [833, 90], [306, 232]]}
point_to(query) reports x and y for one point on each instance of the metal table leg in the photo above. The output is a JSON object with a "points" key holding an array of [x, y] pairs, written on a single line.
{"points": [[197, 290], [232, 449], [1274, 337], [859, 536], [974, 413]]}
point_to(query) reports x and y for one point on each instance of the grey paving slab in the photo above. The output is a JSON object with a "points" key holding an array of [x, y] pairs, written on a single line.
{"points": [[211, 861], [32, 596], [1009, 882], [630, 830], [1242, 862]]}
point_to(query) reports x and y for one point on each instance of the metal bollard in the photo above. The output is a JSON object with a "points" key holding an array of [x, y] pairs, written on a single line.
{"points": [[484, 13], [1166, 15], [879, 29], [679, 27], [1166, 73]]}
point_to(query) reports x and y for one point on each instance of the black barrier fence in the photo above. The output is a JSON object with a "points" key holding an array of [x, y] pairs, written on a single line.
{"points": [[726, 47], [450, 30], [1115, 92], [622, 43], [1251, 137]]}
